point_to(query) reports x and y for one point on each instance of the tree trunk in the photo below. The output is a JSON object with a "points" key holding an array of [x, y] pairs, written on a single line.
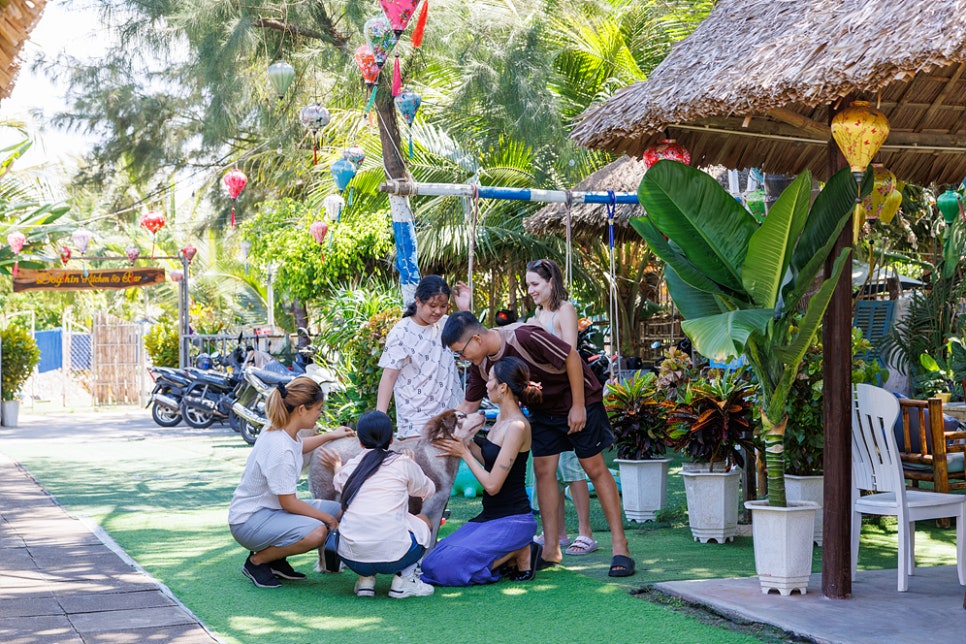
{"points": [[403, 223], [774, 434], [301, 320]]}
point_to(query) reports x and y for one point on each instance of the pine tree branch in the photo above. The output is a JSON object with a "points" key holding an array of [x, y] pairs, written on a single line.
{"points": [[332, 35]]}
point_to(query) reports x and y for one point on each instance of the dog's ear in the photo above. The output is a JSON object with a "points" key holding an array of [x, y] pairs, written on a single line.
{"points": [[440, 426]]}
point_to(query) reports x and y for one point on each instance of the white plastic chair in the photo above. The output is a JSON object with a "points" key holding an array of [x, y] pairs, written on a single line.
{"points": [[876, 468]]}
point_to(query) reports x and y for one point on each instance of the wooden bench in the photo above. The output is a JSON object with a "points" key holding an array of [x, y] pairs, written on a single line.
{"points": [[930, 452]]}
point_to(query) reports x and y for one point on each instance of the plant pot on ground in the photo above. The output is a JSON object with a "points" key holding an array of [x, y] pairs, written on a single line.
{"points": [[19, 356], [710, 425], [638, 411]]}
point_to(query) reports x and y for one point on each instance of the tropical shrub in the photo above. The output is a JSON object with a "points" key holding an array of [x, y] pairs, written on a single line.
{"points": [[161, 342], [638, 412], [19, 355]]}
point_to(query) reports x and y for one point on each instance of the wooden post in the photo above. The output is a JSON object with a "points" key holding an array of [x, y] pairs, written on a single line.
{"points": [[837, 373]]}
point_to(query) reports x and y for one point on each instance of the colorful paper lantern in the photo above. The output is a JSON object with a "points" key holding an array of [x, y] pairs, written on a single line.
{"points": [[408, 104], [132, 253], [318, 230], [343, 171], [189, 252], [280, 75], [177, 276], [314, 117], [153, 221], [859, 130], [399, 13], [666, 149], [235, 181], [381, 38], [333, 205], [16, 239], [355, 154], [949, 204], [64, 255], [884, 200], [81, 238], [366, 61]]}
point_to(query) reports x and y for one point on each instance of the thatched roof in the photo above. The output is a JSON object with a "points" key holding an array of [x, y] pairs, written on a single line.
{"points": [[752, 86], [17, 19], [623, 175]]}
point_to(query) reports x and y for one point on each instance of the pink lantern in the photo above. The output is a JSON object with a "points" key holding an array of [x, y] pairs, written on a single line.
{"points": [[177, 276], [132, 253], [81, 239], [666, 149], [189, 252], [399, 13], [16, 239], [235, 181], [153, 221], [366, 61], [64, 255], [319, 229]]}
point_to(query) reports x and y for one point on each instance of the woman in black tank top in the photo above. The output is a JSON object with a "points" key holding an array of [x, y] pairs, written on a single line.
{"points": [[497, 541]]}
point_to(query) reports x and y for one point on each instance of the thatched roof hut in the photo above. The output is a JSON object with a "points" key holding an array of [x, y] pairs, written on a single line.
{"points": [[17, 19], [623, 175], [753, 84]]}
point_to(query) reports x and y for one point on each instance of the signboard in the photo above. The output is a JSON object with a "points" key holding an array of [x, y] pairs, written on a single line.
{"points": [[67, 280]]}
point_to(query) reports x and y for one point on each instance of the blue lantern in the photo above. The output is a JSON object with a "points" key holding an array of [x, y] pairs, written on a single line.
{"points": [[343, 171], [408, 104]]}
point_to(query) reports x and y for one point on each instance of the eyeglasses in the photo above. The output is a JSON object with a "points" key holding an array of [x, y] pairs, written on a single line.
{"points": [[466, 344]]}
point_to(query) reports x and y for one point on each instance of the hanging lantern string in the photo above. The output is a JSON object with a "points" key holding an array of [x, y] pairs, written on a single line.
{"points": [[569, 250], [394, 146], [614, 311]]}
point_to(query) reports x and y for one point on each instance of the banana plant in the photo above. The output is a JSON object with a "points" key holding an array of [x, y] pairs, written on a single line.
{"points": [[737, 282]]}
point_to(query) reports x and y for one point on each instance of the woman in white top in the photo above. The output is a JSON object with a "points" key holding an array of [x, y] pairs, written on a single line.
{"points": [[265, 516], [558, 316], [378, 535], [417, 369]]}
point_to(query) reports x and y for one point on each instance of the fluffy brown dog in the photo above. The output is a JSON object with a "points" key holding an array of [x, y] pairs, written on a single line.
{"points": [[441, 470]]}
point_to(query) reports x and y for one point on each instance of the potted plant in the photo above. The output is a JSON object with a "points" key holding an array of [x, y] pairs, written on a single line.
{"points": [[710, 425], [805, 433], [638, 414], [19, 355], [737, 282]]}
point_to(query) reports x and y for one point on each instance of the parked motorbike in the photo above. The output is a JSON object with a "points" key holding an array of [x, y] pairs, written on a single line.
{"points": [[590, 347], [210, 395], [165, 401]]}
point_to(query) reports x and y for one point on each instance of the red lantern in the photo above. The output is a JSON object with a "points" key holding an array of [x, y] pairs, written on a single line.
{"points": [[189, 252], [235, 181], [153, 221], [64, 255], [666, 149]]}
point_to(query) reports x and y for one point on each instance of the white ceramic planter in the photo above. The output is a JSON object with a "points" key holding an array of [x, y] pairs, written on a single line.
{"points": [[712, 504], [10, 412], [808, 488], [643, 487], [783, 545]]}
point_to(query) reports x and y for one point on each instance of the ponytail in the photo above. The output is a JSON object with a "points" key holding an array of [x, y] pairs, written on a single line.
{"points": [[515, 374], [283, 399], [374, 431]]}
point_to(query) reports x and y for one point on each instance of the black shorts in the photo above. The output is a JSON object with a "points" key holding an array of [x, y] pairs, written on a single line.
{"points": [[549, 434]]}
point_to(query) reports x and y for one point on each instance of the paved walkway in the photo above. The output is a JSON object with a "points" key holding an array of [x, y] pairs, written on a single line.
{"points": [[60, 583]]}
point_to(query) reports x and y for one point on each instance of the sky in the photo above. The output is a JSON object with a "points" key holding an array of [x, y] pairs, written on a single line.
{"points": [[66, 25]]}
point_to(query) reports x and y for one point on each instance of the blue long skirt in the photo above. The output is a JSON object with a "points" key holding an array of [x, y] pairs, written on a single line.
{"points": [[466, 557]]}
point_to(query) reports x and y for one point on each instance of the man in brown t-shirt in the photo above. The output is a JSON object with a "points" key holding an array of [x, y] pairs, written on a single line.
{"points": [[571, 417]]}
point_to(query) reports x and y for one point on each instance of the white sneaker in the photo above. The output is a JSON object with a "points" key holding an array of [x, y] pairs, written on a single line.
{"points": [[365, 587], [409, 586]]}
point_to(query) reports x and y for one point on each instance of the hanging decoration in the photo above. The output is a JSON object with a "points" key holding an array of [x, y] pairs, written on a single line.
{"points": [[343, 172], [153, 221], [884, 200], [366, 61], [16, 239], [280, 75], [381, 38], [354, 153], [64, 255], [949, 204], [319, 229], [177, 276], [396, 77], [859, 130], [665, 149], [333, 205], [399, 13], [81, 238], [235, 181], [420, 29], [314, 117], [189, 252], [132, 253], [408, 104]]}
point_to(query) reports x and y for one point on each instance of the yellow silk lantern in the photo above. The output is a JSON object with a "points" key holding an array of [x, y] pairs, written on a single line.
{"points": [[859, 130], [883, 202]]}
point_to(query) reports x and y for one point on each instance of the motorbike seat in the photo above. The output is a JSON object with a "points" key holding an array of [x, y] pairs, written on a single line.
{"points": [[212, 378], [271, 377]]}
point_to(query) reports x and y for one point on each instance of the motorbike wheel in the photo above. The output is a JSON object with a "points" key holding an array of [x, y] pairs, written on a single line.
{"points": [[165, 416], [235, 422], [196, 418], [249, 431]]}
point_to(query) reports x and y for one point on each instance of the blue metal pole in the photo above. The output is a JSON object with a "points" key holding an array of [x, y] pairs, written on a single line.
{"points": [[399, 187]]}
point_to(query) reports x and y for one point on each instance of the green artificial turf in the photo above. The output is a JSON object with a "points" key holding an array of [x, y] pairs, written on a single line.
{"points": [[165, 500]]}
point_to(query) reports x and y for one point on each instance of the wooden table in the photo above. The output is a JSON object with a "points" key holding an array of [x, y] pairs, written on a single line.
{"points": [[956, 409]]}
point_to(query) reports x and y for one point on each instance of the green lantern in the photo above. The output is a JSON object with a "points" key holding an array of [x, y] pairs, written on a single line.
{"points": [[280, 75], [948, 204]]}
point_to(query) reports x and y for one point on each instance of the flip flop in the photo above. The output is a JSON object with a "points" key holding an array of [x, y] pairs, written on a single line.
{"points": [[564, 542], [621, 566], [582, 546], [537, 562]]}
